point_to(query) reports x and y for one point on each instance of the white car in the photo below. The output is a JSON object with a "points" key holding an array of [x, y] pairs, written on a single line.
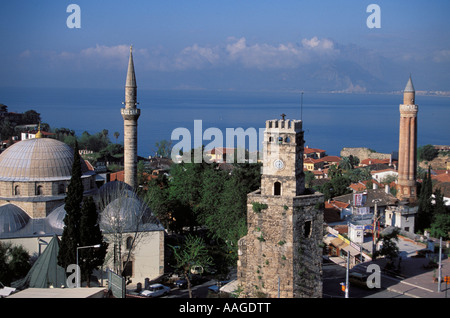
{"points": [[156, 290]]}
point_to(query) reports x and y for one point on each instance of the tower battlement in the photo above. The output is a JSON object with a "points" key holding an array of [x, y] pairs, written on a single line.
{"points": [[284, 125]]}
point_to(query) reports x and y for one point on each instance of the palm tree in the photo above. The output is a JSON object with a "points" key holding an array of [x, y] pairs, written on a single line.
{"points": [[116, 135]]}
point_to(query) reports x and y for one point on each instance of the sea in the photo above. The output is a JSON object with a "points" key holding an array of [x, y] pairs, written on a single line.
{"points": [[331, 121]]}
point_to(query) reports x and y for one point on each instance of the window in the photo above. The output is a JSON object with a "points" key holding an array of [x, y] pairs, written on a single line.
{"points": [[307, 229], [61, 188], [39, 190], [129, 242], [16, 190], [277, 188]]}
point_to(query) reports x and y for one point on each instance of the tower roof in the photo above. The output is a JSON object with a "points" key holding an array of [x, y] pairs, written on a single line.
{"points": [[409, 86], [131, 77]]}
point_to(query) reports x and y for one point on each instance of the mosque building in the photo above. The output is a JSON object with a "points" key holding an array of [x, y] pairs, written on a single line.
{"points": [[34, 178]]}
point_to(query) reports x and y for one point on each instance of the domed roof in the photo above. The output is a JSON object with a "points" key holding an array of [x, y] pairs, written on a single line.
{"points": [[12, 218], [56, 217], [38, 159]]}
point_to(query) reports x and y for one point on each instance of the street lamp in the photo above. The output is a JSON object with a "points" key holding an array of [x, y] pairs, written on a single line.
{"points": [[78, 268]]}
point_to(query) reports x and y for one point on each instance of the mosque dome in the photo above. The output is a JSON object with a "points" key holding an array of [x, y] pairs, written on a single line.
{"points": [[56, 218], [38, 159], [12, 218]]}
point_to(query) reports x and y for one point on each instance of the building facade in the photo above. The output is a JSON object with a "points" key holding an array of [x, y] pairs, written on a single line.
{"points": [[281, 255]]}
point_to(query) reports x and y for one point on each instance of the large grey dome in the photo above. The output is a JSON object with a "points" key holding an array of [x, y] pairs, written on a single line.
{"points": [[12, 218], [38, 159]]}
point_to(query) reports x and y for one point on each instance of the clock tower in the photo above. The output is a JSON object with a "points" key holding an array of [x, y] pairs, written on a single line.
{"points": [[281, 255]]}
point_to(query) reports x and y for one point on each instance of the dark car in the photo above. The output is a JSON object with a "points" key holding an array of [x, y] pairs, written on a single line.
{"points": [[182, 283]]}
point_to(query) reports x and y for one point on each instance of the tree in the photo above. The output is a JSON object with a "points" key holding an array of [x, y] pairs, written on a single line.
{"points": [[425, 207], [31, 117], [440, 227], [163, 148], [427, 153], [389, 247], [116, 135], [70, 239], [14, 262], [193, 253], [91, 234]]}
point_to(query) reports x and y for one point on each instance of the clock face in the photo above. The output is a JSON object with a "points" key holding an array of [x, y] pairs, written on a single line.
{"points": [[279, 164]]}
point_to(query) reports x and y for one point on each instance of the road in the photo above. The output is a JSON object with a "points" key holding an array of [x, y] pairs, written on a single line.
{"points": [[334, 275]]}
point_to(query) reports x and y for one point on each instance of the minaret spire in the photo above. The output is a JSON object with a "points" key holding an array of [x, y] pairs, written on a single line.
{"points": [[131, 77], [130, 116]]}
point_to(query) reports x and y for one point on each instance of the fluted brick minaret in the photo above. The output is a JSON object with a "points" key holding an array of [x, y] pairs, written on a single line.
{"points": [[130, 116], [407, 150]]}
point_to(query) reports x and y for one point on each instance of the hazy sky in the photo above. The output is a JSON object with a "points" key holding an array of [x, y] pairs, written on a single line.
{"points": [[227, 44]]}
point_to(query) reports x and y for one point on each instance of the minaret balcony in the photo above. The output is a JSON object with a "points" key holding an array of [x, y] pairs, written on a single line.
{"points": [[130, 113]]}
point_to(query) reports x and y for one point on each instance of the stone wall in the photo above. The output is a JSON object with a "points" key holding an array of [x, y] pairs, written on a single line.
{"points": [[363, 153]]}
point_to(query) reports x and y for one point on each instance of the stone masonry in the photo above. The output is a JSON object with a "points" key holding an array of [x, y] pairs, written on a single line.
{"points": [[281, 255], [130, 116]]}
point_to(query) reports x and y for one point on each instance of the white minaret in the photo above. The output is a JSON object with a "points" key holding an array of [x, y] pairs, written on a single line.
{"points": [[130, 116]]}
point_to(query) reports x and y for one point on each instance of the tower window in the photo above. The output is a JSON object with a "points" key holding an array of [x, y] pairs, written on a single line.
{"points": [[287, 140], [277, 188], [280, 140], [307, 229], [16, 190]]}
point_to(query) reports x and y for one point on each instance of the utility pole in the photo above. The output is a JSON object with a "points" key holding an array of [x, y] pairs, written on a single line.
{"points": [[347, 285], [440, 265]]}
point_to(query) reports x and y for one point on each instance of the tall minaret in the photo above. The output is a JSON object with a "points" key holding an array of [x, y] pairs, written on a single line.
{"points": [[130, 116], [407, 149]]}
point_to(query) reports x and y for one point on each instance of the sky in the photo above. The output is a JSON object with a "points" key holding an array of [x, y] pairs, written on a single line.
{"points": [[249, 45]]}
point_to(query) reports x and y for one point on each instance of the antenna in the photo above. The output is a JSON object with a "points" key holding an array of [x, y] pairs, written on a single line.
{"points": [[301, 107]]}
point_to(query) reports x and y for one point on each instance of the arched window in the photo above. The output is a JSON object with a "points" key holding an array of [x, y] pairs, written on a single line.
{"points": [[277, 188], [16, 190], [129, 242], [39, 190], [61, 188]]}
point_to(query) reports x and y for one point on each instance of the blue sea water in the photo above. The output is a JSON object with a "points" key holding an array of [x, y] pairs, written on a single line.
{"points": [[330, 121]]}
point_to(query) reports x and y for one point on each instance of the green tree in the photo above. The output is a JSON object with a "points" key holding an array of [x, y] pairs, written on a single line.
{"points": [[14, 262], [440, 227], [193, 253], [163, 148], [90, 234], [70, 239], [427, 153], [425, 207], [116, 135], [389, 247]]}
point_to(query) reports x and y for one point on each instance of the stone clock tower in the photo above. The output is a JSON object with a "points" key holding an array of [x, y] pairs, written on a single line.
{"points": [[281, 255]]}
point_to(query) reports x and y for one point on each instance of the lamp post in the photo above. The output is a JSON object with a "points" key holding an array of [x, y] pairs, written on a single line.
{"points": [[78, 268]]}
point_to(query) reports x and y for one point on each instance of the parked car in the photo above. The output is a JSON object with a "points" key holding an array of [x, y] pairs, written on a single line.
{"points": [[155, 290], [182, 283]]}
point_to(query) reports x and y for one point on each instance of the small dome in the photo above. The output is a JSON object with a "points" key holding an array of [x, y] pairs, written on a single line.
{"points": [[56, 218], [12, 218], [125, 213], [37, 159]]}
